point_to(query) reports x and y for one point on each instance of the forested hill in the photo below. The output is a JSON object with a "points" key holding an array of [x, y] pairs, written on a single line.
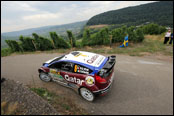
{"points": [[157, 12]]}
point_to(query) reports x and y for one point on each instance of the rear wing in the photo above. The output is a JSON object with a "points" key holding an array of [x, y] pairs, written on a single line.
{"points": [[107, 68]]}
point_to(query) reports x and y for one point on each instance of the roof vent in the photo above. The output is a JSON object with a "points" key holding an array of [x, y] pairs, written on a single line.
{"points": [[75, 53]]}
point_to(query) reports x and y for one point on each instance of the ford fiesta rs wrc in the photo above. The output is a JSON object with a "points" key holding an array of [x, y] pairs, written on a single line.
{"points": [[88, 73]]}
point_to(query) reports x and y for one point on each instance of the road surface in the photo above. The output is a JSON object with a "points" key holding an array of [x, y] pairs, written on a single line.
{"points": [[141, 86]]}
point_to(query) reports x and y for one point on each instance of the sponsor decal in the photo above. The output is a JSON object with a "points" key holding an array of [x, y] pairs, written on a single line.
{"points": [[74, 80], [90, 61], [55, 73], [80, 54], [99, 62], [80, 69], [90, 81]]}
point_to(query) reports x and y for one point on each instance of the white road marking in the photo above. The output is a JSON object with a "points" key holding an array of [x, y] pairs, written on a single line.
{"points": [[128, 72], [147, 62]]}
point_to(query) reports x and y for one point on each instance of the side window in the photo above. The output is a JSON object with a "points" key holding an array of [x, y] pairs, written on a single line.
{"points": [[56, 65], [81, 69], [65, 66]]}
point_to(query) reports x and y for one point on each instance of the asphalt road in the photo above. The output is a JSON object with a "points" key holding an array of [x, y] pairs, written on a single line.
{"points": [[141, 85]]}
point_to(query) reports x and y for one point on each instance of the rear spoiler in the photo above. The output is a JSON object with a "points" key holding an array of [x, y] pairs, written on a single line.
{"points": [[108, 66], [110, 63]]}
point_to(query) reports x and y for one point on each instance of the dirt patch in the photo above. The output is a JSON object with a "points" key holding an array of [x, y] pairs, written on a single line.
{"points": [[155, 37], [19, 99], [158, 56], [97, 26], [107, 48], [88, 47], [145, 53]]}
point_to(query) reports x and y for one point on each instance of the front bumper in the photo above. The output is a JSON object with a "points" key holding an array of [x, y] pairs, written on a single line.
{"points": [[105, 90]]}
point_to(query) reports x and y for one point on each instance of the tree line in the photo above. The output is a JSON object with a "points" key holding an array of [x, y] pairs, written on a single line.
{"points": [[135, 34], [104, 36], [37, 42]]}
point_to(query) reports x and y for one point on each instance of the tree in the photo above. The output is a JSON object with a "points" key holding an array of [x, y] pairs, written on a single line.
{"points": [[118, 34], [71, 39], [36, 41], [152, 29], [27, 44], [132, 34], [14, 46], [58, 41], [45, 44], [140, 35], [86, 37], [42, 43], [100, 38]]}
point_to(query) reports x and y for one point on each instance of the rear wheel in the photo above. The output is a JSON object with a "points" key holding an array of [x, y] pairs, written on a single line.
{"points": [[44, 77], [86, 94]]}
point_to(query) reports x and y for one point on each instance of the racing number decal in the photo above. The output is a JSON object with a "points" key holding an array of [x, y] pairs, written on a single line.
{"points": [[81, 69], [75, 68]]}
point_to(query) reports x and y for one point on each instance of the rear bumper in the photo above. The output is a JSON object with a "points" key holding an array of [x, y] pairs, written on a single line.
{"points": [[105, 90]]}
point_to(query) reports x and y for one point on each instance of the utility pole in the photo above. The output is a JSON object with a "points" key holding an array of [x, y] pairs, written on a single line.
{"points": [[110, 40], [71, 43], [34, 45]]}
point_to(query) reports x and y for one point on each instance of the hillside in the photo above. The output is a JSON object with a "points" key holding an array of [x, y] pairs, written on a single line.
{"points": [[157, 12], [43, 31], [46, 29]]}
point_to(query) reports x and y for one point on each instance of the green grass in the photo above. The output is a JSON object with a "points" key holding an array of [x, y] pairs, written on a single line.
{"points": [[43, 93], [6, 52], [61, 103], [148, 45]]}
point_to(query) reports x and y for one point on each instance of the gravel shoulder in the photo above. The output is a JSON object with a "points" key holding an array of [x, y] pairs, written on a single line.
{"points": [[19, 99]]}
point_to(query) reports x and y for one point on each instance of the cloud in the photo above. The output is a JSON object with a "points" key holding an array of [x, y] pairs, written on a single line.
{"points": [[42, 16], [17, 6], [99, 3], [18, 15]]}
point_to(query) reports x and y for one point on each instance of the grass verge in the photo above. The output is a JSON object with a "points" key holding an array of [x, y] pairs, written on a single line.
{"points": [[63, 105], [6, 52]]}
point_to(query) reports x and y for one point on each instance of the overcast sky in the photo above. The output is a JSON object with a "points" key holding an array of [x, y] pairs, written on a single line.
{"points": [[18, 15]]}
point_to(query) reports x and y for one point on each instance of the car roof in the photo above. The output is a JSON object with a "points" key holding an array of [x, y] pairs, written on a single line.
{"points": [[84, 58]]}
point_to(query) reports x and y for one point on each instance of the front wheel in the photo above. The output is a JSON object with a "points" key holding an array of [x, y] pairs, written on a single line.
{"points": [[87, 94], [44, 77]]}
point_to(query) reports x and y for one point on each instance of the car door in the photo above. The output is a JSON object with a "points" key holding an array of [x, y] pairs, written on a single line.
{"points": [[56, 72]]}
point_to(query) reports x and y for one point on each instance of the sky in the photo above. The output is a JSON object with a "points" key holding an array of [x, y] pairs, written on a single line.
{"points": [[19, 15]]}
